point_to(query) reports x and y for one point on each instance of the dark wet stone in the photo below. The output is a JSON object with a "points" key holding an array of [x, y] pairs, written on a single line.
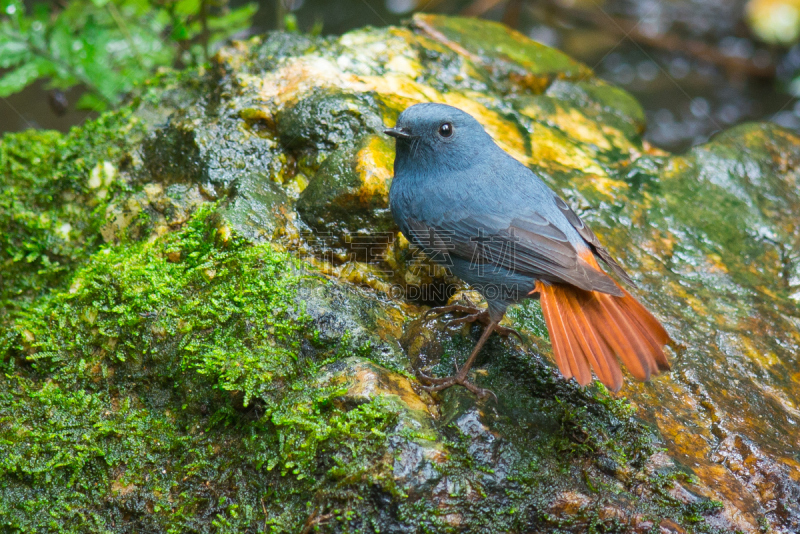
{"points": [[769, 481], [337, 310], [415, 465], [483, 443], [258, 208], [327, 120], [172, 155], [346, 202], [607, 465], [277, 46]]}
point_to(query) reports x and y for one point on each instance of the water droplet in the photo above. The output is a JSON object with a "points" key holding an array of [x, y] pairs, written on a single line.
{"points": [[293, 5], [544, 34], [787, 119], [762, 58], [400, 6], [624, 74], [679, 68], [700, 107], [729, 113], [663, 116], [647, 70]]}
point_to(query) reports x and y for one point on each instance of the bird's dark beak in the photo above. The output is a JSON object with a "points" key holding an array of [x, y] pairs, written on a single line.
{"points": [[397, 133]]}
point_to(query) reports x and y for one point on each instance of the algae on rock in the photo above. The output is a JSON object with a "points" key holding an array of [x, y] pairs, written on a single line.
{"points": [[223, 324]]}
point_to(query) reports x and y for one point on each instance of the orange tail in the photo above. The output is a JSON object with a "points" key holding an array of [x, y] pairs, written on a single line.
{"points": [[587, 329]]}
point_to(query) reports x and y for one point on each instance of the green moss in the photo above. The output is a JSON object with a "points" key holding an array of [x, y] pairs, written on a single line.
{"points": [[168, 372], [53, 192], [496, 44], [738, 206], [603, 104]]}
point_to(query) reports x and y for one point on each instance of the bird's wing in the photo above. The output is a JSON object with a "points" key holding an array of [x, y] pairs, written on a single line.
{"points": [[524, 244], [591, 240]]}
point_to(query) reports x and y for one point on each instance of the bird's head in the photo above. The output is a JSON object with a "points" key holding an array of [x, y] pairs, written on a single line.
{"points": [[438, 136]]}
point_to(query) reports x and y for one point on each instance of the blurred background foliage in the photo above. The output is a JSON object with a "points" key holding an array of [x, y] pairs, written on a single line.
{"points": [[108, 46], [775, 21], [697, 66]]}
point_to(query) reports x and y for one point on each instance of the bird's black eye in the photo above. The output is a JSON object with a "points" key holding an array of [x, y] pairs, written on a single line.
{"points": [[446, 129]]}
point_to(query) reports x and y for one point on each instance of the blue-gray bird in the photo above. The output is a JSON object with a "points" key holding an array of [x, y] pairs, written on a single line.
{"points": [[496, 225]]}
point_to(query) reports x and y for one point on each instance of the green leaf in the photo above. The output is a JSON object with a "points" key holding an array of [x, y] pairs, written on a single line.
{"points": [[92, 102], [316, 29], [26, 74], [179, 31], [107, 45], [187, 8], [290, 22], [61, 41], [234, 21], [12, 52]]}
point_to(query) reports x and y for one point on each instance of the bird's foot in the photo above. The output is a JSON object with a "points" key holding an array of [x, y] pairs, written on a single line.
{"points": [[473, 314], [432, 384], [452, 308]]}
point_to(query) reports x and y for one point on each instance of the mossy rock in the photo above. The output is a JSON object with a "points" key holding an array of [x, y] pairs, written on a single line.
{"points": [[197, 333]]}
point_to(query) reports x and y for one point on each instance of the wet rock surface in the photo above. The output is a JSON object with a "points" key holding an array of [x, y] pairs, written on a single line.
{"points": [[224, 326]]}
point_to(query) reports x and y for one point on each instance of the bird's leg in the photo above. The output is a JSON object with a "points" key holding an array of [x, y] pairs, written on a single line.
{"points": [[473, 314], [460, 378]]}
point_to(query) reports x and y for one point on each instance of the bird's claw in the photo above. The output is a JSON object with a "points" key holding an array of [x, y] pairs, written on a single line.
{"points": [[452, 308], [467, 319], [483, 318], [432, 380], [433, 384], [473, 314], [504, 331]]}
